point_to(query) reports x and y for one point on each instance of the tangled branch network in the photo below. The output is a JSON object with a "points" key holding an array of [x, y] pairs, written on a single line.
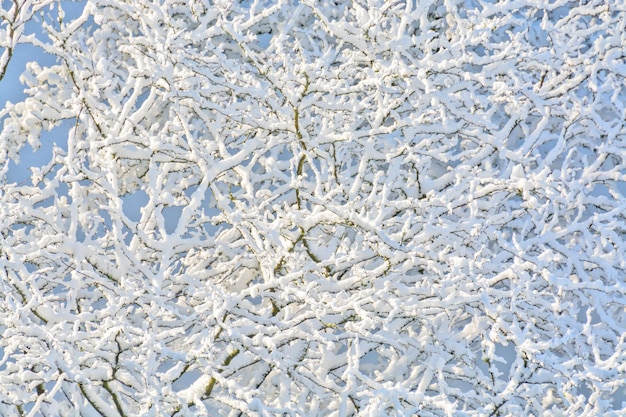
{"points": [[315, 208]]}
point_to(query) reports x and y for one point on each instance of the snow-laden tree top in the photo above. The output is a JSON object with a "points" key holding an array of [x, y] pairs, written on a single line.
{"points": [[316, 208]]}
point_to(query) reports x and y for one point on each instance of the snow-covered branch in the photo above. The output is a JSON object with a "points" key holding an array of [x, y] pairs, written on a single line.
{"points": [[319, 208]]}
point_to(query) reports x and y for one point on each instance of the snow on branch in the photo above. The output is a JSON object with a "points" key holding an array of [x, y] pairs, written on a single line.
{"points": [[320, 208]]}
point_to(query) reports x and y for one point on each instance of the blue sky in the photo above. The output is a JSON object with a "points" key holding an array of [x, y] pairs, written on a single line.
{"points": [[12, 90]]}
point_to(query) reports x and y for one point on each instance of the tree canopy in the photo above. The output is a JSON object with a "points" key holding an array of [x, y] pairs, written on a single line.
{"points": [[316, 208]]}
